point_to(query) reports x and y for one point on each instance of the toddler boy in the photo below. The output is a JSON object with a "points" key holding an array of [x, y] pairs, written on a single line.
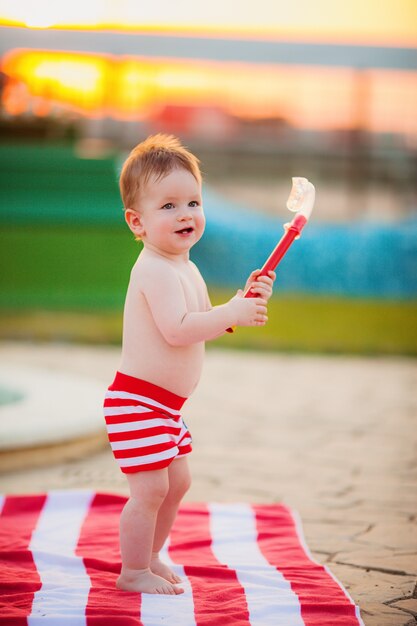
{"points": [[167, 319]]}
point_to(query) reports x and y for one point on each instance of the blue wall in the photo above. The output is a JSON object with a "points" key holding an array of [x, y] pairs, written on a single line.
{"points": [[357, 259]]}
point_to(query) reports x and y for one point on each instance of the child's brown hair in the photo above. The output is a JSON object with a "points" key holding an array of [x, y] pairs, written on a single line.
{"points": [[155, 157]]}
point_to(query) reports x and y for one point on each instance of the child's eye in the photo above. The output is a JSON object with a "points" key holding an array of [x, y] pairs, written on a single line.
{"points": [[168, 205], [193, 203]]}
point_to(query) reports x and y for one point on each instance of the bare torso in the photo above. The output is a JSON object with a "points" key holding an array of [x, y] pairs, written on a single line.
{"points": [[145, 352]]}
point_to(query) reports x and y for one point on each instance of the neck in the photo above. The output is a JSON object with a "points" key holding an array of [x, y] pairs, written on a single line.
{"points": [[183, 257]]}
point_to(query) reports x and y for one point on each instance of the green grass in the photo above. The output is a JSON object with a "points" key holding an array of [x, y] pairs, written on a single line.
{"points": [[70, 267], [296, 324], [69, 282], [333, 325]]}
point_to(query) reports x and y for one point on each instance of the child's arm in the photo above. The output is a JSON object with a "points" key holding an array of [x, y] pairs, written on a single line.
{"points": [[164, 293]]}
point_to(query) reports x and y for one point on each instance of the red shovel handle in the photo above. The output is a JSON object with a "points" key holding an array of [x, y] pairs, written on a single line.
{"points": [[292, 231]]}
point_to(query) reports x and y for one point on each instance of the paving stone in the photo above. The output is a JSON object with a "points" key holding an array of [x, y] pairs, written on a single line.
{"points": [[376, 614], [331, 537], [391, 536], [409, 605], [378, 558], [370, 586]]}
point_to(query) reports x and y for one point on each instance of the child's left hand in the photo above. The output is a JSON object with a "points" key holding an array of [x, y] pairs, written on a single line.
{"points": [[260, 285]]}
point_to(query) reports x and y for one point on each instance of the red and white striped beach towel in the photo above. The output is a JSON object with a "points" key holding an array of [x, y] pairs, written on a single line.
{"points": [[242, 565]]}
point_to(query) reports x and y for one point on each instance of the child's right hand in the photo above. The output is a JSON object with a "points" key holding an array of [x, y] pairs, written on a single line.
{"points": [[248, 311]]}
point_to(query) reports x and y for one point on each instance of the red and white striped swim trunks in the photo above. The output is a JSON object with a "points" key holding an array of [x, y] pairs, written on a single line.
{"points": [[144, 425]]}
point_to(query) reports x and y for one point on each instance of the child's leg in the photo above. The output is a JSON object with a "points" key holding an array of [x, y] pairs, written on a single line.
{"points": [[179, 483], [148, 490]]}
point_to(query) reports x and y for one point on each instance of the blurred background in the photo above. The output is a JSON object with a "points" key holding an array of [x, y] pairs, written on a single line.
{"points": [[260, 92]]}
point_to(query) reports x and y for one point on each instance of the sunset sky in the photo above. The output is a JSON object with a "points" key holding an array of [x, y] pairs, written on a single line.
{"points": [[311, 97], [390, 22]]}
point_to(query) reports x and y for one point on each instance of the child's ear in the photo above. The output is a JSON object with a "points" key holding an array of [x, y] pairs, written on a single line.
{"points": [[134, 221]]}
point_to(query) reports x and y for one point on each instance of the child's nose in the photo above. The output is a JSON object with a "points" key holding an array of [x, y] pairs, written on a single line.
{"points": [[185, 214]]}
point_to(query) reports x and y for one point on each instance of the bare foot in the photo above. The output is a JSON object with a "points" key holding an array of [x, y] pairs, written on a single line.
{"points": [[159, 568], [144, 581]]}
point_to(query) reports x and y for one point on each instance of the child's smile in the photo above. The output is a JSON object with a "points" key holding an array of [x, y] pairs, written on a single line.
{"points": [[185, 231]]}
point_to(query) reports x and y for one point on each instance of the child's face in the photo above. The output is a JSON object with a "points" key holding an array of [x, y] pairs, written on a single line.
{"points": [[170, 214]]}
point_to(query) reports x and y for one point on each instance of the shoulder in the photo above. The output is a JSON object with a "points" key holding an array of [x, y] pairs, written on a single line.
{"points": [[195, 269], [149, 271]]}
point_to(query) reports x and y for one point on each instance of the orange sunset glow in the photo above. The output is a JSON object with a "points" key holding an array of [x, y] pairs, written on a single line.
{"points": [[130, 88], [136, 88]]}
